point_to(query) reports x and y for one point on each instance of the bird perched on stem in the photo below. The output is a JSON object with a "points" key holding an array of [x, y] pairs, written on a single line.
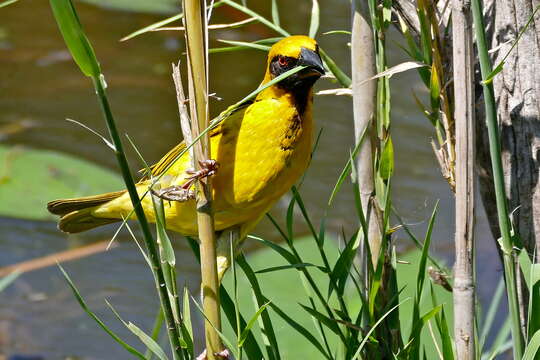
{"points": [[258, 152]]}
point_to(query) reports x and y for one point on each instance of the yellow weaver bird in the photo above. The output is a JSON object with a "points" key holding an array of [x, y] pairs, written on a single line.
{"points": [[262, 149]]}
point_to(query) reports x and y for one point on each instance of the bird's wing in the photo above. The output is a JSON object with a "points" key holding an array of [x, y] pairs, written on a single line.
{"points": [[165, 163]]}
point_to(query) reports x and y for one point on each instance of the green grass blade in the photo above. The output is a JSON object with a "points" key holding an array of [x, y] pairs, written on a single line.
{"points": [[8, 279], [291, 266], [156, 330], [286, 254], [300, 329], [500, 339], [492, 312], [325, 320], [499, 67], [315, 17], [7, 2], [342, 267], [377, 323], [532, 348], [90, 313], [165, 245], [424, 256], [260, 18], [250, 324], [186, 314], [153, 26], [346, 170], [251, 346], [73, 34], [275, 13], [341, 77], [245, 45], [225, 339], [446, 338], [266, 324], [150, 343], [160, 23]]}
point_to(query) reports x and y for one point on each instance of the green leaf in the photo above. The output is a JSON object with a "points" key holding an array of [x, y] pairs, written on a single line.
{"points": [[315, 15], [329, 323], [266, 324], [286, 254], [347, 168], [342, 268], [156, 330], [435, 88], [275, 13], [250, 324], [425, 251], [532, 348], [260, 18], [291, 266], [245, 45], [153, 26], [148, 341], [332, 32], [186, 317], [226, 340], [154, 6], [7, 2], [166, 250], [76, 41], [493, 73], [85, 307], [8, 279], [498, 344], [446, 338], [300, 329], [366, 337], [500, 66], [492, 312], [386, 167], [341, 77]]}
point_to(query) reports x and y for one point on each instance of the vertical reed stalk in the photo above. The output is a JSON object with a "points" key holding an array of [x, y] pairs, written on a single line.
{"points": [[463, 289], [363, 67], [506, 241], [196, 38]]}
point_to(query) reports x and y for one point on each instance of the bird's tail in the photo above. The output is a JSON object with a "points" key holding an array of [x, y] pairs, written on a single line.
{"points": [[76, 214]]}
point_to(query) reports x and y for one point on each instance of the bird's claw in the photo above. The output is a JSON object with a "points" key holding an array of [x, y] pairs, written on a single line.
{"points": [[223, 354], [208, 168], [175, 193]]}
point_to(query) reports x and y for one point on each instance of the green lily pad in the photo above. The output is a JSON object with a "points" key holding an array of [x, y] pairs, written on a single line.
{"points": [[29, 178]]}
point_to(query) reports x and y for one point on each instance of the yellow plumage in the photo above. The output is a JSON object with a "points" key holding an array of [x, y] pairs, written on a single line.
{"points": [[262, 150]]}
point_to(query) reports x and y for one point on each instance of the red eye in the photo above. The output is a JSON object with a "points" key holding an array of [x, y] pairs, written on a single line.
{"points": [[283, 61]]}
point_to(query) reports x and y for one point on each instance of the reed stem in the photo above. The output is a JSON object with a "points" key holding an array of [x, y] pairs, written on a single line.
{"points": [[464, 289], [506, 241], [195, 24]]}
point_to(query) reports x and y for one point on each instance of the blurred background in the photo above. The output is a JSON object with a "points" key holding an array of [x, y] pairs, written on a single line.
{"points": [[40, 87]]}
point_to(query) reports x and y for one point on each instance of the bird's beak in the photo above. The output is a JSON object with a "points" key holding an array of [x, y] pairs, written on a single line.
{"points": [[313, 62]]}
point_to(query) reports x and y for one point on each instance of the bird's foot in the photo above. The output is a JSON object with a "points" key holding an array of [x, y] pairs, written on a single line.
{"points": [[208, 168], [223, 354], [174, 193]]}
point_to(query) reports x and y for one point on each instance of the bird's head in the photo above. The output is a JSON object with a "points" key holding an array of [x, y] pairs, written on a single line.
{"points": [[295, 51]]}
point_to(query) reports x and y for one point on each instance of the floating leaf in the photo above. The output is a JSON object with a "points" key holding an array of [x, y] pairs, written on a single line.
{"points": [[42, 175]]}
